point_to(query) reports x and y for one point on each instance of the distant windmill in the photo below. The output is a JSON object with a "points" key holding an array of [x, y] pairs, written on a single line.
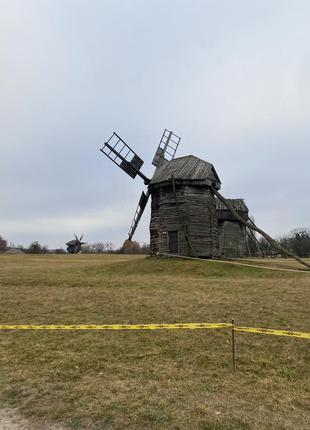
{"points": [[74, 246], [184, 216]]}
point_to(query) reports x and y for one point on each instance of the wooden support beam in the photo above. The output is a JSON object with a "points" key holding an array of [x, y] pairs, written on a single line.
{"points": [[252, 226]]}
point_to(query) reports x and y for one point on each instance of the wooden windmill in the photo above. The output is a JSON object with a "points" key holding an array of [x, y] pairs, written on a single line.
{"points": [[74, 246], [184, 216], [183, 207]]}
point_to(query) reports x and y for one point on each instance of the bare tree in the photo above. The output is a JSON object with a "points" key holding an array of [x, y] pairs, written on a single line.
{"points": [[36, 248], [99, 247], [3, 244], [299, 240]]}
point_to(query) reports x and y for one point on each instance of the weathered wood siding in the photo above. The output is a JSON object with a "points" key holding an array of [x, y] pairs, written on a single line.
{"points": [[202, 225], [232, 239], [197, 214]]}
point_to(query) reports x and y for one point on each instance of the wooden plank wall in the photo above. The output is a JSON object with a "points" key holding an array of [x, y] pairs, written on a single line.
{"points": [[197, 212], [232, 239]]}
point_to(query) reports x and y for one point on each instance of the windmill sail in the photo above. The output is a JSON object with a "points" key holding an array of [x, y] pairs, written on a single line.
{"points": [[138, 214], [123, 156], [117, 150], [167, 148]]}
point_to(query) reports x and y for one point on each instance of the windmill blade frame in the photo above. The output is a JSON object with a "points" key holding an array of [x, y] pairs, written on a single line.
{"points": [[117, 150], [138, 214], [167, 148]]}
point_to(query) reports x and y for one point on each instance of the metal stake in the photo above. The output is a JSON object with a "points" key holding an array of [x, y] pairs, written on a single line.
{"points": [[233, 346]]}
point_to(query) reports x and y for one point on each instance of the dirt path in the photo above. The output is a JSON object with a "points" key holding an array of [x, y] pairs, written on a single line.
{"points": [[10, 419]]}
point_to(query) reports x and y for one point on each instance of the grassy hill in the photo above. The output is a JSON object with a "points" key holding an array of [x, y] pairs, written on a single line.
{"points": [[153, 380]]}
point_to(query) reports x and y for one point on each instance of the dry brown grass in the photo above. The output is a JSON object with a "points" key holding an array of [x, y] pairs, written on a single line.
{"points": [[153, 380], [284, 263]]}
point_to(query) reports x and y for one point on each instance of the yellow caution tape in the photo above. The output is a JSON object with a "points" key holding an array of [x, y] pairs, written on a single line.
{"points": [[180, 326], [298, 334], [191, 326]]}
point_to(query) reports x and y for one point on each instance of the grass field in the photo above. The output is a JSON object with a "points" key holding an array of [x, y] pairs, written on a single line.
{"points": [[153, 380]]}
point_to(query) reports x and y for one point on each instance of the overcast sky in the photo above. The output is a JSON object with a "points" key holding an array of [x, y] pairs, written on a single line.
{"points": [[232, 78]]}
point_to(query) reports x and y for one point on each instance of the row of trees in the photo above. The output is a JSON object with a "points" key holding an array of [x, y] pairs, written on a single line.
{"points": [[298, 242], [34, 248], [98, 248], [129, 247]]}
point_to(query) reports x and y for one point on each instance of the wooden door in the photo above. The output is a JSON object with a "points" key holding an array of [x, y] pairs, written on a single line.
{"points": [[173, 242]]}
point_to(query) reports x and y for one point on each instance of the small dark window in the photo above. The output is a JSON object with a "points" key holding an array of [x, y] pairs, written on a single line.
{"points": [[173, 241]]}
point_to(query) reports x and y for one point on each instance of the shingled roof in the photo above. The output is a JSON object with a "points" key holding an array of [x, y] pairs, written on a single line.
{"points": [[189, 169], [237, 204]]}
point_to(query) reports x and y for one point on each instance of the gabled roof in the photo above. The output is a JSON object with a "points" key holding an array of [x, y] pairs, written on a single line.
{"points": [[188, 168], [237, 204]]}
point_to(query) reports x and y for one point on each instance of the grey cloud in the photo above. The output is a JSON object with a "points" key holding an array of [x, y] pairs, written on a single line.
{"points": [[232, 78]]}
